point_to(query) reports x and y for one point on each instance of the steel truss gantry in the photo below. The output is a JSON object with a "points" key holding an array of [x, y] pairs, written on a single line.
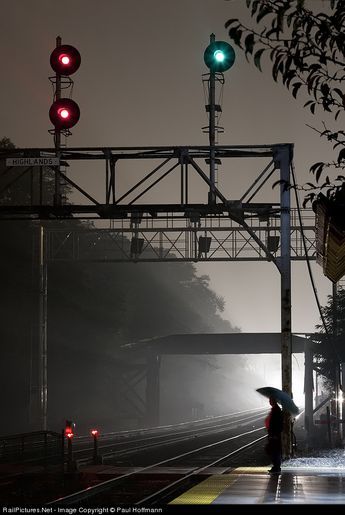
{"points": [[224, 230], [176, 227], [179, 239], [119, 195]]}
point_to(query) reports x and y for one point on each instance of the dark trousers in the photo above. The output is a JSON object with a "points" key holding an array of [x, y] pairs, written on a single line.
{"points": [[275, 450]]}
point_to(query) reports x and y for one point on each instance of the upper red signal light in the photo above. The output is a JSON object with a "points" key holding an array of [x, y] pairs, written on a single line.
{"points": [[65, 60]]}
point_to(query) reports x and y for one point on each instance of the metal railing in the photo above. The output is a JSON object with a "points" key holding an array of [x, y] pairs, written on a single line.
{"points": [[37, 446]]}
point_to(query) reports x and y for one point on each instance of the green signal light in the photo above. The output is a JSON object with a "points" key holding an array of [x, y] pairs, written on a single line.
{"points": [[219, 56]]}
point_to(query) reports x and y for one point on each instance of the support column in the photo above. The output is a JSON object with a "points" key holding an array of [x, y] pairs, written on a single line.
{"points": [[43, 343], [152, 389], [283, 157], [39, 376], [308, 390], [337, 371], [342, 413], [57, 136], [212, 131]]}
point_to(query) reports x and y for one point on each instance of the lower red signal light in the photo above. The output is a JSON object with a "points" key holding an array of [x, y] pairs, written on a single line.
{"points": [[64, 113]]}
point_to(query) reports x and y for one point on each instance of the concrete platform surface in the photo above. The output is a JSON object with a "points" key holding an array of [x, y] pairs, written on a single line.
{"points": [[302, 481]]}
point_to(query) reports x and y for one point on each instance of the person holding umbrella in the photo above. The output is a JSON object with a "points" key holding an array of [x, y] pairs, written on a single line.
{"points": [[274, 426], [274, 422]]}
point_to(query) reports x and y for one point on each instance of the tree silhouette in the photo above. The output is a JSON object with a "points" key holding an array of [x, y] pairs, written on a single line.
{"points": [[331, 351], [307, 51]]}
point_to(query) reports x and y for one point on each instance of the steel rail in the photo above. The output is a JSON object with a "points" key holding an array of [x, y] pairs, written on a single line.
{"points": [[174, 438], [160, 438], [95, 490], [157, 495]]}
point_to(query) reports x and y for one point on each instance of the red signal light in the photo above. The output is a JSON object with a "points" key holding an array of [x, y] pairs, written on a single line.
{"points": [[64, 113], [69, 432], [65, 60], [69, 427], [95, 432]]}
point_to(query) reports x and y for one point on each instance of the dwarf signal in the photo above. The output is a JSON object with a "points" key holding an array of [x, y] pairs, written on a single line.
{"points": [[69, 429]]}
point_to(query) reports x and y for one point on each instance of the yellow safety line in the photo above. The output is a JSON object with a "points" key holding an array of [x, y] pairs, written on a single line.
{"points": [[206, 491], [250, 470], [209, 489]]}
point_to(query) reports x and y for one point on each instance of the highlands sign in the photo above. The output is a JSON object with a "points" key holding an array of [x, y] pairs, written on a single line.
{"points": [[32, 161]]}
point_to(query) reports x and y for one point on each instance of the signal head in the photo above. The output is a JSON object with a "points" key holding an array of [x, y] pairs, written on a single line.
{"points": [[64, 113], [219, 56], [69, 432], [65, 60], [69, 428]]}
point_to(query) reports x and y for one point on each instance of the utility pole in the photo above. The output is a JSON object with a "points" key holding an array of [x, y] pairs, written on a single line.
{"points": [[57, 134], [212, 129], [38, 379], [64, 113], [337, 366], [283, 159], [219, 56]]}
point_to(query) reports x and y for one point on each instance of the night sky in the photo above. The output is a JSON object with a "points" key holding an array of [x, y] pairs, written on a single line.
{"points": [[140, 84]]}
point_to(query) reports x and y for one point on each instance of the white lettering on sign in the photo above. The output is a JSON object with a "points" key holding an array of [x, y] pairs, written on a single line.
{"points": [[32, 161]]}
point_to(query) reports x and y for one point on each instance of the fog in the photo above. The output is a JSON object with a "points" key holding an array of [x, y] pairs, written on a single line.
{"points": [[140, 84], [206, 389]]}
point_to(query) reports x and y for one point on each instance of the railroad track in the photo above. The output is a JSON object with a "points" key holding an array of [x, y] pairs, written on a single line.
{"points": [[153, 470], [150, 465], [128, 442]]}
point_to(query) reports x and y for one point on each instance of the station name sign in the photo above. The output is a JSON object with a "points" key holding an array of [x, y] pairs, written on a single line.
{"points": [[32, 161]]}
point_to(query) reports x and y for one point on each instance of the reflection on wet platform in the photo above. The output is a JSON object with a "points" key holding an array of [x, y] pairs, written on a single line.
{"points": [[253, 485]]}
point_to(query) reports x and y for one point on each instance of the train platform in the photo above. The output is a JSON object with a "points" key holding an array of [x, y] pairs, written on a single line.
{"points": [[302, 481]]}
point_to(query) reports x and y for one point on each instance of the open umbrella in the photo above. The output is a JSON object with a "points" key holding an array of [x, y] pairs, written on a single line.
{"points": [[281, 397]]}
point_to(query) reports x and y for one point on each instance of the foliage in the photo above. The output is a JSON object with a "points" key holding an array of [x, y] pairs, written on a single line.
{"points": [[307, 50], [25, 185], [6, 143], [331, 351]]}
